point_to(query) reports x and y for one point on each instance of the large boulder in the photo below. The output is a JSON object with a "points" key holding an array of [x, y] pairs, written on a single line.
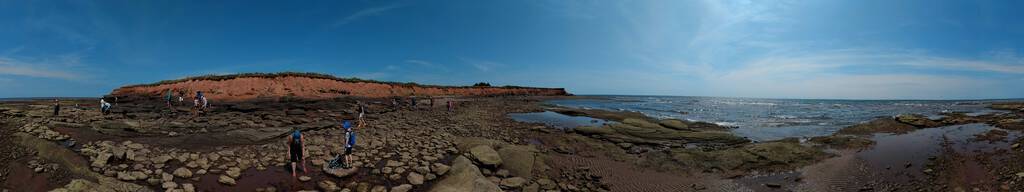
{"points": [[518, 159], [485, 155], [464, 176]]}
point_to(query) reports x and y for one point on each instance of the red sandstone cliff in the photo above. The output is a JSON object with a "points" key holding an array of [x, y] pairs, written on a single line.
{"points": [[310, 86]]}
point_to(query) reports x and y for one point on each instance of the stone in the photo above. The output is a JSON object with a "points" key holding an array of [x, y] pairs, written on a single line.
{"points": [[547, 184], [401, 188], [339, 172], [440, 169], [233, 172], [182, 172], [502, 172], [327, 186], [513, 183], [917, 120], [464, 176], [188, 187], [485, 155], [224, 179], [304, 178], [415, 178], [101, 160], [362, 187], [161, 159], [532, 188], [165, 177], [125, 176], [169, 185], [379, 188], [139, 175]]}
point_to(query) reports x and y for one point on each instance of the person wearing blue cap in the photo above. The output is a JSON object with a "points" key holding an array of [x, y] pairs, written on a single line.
{"points": [[350, 142], [296, 150]]}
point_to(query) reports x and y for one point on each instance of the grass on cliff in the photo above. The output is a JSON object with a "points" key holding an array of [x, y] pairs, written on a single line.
{"points": [[297, 74]]}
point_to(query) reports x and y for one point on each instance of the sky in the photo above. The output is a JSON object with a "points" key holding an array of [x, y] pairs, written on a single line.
{"points": [[873, 49]]}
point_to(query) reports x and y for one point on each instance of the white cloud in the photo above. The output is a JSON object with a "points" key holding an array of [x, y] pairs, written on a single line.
{"points": [[481, 65], [10, 66], [368, 12], [420, 62], [818, 75]]}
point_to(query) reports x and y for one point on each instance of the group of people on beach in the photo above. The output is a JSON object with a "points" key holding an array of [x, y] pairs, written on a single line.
{"points": [[297, 150]]}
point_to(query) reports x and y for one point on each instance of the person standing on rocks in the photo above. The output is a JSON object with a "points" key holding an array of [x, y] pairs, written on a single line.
{"points": [[56, 107], [104, 107], [296, 150], [350, 142]]}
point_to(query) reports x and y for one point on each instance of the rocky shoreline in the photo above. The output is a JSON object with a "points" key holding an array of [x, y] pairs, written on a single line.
{"points": [[239, 147]]}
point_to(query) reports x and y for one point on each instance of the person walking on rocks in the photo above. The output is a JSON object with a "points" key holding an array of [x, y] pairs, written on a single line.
{"points": [[362, 114], [169, 98], [350, 142], [451, 106], [296, 150]]}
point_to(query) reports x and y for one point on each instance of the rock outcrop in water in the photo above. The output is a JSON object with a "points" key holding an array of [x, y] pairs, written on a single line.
{"points": [[311, 86]]}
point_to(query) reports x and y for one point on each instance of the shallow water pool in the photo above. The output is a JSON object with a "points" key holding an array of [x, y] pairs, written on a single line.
{"points": [[558, 120]]}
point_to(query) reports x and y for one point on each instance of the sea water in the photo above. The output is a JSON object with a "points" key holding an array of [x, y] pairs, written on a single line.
{"points": [[771, 119]]}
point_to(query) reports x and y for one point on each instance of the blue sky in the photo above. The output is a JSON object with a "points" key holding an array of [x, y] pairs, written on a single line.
{"points": [[775, 49]]}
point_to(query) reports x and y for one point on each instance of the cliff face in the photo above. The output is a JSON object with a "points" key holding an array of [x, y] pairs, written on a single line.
{"points": [[247, 88]]}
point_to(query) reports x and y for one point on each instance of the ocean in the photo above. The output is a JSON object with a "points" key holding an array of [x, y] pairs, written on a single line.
{"points": [[772, 119]]}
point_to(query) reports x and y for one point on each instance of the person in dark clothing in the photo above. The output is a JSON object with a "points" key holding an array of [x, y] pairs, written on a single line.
{"points": [[350, 142], [56, 107], [296, 151]]}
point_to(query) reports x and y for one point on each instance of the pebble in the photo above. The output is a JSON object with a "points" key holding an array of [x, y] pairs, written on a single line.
{"points": [[304, 178]]}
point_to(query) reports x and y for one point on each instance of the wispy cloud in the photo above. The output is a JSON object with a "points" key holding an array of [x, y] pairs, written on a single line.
{"points": [[368, 12], [481, 65], [420, 62], [820, 74], [10, 66]]}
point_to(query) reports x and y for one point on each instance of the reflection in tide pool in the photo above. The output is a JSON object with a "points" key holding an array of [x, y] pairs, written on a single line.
{"points": [[561, 121]]}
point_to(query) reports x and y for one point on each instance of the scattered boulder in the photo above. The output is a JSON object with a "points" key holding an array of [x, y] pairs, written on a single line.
{"points": [[485, 155], [415, 178], [513, 183], [440, 169], [340, 172], [327, 185], [401, 188], [518, 159], [182, 172], [224, 179], [464, 176], [101, 160]]}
